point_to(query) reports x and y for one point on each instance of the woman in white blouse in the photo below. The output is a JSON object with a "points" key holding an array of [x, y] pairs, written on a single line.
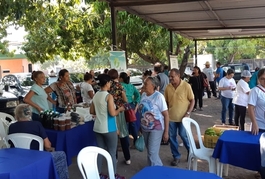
{"points": [[227, 86], [241, 99], [256, 104]]}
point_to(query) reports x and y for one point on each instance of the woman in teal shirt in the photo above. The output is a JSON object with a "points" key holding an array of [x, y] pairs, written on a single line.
{"points": [[133, 97]]}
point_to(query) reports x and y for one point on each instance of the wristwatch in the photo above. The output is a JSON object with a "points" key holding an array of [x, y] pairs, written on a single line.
{"points": [[188, 113]]}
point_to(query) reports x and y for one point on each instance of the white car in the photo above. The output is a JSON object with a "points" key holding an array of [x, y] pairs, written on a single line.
{"points": [[135, 77]]}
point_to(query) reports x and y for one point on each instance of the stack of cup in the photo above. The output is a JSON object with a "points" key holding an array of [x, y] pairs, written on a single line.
{"points": [[68, 122], [61, 123], [56, 123]]}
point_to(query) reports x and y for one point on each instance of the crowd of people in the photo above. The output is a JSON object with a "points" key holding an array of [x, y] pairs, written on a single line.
{"points": [[159, 106]]}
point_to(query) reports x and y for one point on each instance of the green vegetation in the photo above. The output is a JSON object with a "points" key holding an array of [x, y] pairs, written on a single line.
{"points": [[70, 31]]}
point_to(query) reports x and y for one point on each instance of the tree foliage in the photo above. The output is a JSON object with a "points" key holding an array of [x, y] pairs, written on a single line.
{"points": [[228, 51], [71, 31]]}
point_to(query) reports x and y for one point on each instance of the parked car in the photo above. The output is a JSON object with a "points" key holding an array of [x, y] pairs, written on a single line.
{"points": [[8, 101], [237, 67], [135, 77]]}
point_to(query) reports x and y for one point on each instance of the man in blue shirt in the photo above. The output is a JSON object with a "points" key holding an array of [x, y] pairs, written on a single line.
{"points": [[219, 75]]}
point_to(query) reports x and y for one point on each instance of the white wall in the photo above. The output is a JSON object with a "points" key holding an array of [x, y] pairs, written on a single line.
{"points": [[202, 59]]}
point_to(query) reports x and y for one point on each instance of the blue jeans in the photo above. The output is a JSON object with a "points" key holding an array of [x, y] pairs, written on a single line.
{"points": [[174, 129], [152, 143], [107, 141], [227, 104]]}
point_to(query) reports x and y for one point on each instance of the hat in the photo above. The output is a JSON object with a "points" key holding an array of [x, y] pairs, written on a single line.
{"points": [[207, 63], [245, 73]]}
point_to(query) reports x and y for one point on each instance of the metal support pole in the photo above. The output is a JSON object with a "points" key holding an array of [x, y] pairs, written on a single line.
{"points": [[196, 61], [113, 28], [170, 47], [170, 42]]}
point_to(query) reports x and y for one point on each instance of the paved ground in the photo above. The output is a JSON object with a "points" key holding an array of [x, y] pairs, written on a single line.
{"points": [[206, 118]]}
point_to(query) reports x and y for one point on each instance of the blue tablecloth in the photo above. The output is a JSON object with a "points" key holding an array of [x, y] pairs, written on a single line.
{"points": [[73, 140], [18, 163], [158, 172], [239, 148]]}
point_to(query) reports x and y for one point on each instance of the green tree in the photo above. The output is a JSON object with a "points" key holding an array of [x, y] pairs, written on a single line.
{"points": [[228, 51], [71, 32]]}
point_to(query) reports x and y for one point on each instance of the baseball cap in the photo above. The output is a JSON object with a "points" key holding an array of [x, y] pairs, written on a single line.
{"points": [[245, 73]]}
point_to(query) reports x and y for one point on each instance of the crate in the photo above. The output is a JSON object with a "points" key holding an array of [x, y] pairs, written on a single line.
{"points": [[219, 128], [210, 141]]}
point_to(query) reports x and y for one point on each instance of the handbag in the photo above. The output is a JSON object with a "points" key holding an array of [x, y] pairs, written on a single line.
{"points": [[139, 143], [129, 113]]}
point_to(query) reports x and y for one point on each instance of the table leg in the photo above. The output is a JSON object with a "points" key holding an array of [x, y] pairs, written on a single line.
{"points": [[226, 168], [219, 166]]}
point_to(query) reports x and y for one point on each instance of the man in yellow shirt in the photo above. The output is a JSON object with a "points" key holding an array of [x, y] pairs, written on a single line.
{"points": [[180, 101]]}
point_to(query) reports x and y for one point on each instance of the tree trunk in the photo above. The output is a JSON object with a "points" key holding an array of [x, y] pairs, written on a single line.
{"points": [[148, 58], [178, 48], [232, 57], [184, 61]]}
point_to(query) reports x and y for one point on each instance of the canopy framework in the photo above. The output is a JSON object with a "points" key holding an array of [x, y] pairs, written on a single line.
{"points": [[196, 19]]}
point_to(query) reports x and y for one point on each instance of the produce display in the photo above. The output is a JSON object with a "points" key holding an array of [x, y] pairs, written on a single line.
{"points": [[213, 132]]}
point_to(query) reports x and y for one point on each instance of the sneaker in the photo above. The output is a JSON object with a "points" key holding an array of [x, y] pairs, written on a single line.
{"points": [[128, 162], [194, 110], [181, 144], [175, 162], [201, 109]]}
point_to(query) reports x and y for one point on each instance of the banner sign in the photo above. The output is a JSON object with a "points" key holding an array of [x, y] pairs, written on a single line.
{"points": [[174, 62], [117, 60]]}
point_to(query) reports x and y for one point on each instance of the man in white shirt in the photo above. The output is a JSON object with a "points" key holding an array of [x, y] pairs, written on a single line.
{"points": [[208, 71]]}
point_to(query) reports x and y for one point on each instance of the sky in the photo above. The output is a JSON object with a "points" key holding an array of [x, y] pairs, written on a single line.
{"points": [[15, 37]]}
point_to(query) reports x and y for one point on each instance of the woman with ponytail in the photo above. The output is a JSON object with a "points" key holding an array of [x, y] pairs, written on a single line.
{"points": [[133, 97]]}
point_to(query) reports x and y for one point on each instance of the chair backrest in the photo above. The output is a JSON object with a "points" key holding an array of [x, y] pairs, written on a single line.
{"points": [[23, 140], [262, 149], [5, 115], [87, 162], [186, 121], [3, 134]]}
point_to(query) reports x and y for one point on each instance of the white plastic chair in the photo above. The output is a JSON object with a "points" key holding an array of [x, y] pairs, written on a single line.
{"points": [[3, 134], [262, 154], [87, 162], [23, 140], [5, 115], [202, 153]]}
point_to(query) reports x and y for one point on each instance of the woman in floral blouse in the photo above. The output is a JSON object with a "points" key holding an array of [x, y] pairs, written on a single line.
{"points": [[119, 96], [64, 90]]}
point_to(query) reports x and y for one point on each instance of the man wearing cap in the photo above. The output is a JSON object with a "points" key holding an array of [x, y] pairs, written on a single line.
{"points": [[241, 99], [208, 71]]}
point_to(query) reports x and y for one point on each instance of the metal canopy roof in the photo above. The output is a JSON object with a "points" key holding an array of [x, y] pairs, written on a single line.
{"points": [[197, 19]]}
